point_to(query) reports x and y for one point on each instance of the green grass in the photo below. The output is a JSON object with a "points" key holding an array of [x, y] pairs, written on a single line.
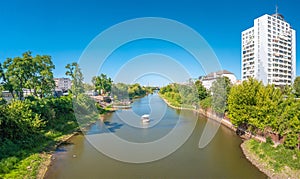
{"points": [[25, 168], [22, 159], [276, 157]]}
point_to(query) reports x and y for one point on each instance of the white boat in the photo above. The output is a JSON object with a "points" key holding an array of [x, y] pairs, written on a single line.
{"points": [[145, 118]]}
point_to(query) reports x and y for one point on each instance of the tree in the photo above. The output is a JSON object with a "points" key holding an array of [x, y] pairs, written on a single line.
{"points": [[75, 73], [28, 72], [202, 92], [220, 90], [102, 83], [242, 102], [41, 79], [120, 91], [296, 86]]}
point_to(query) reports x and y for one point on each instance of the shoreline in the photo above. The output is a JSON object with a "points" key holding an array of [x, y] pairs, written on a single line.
{"points": [[254, 160], [210, 116], [47, 156], [263, 165], [251, 157], [248, 155]]}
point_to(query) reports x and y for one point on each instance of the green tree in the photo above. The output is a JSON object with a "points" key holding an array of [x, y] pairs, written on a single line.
{"points": [[136, 90], [75, 73], [202, 92], [5, 84], [296, 86], [28, 72], [120, 91], [242, 102], [102, 83], [220, 90], [18, 72], [41, 79]]}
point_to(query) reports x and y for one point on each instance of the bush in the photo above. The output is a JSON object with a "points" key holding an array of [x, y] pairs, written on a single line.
{"points": [[291, 141], [269, 141]]}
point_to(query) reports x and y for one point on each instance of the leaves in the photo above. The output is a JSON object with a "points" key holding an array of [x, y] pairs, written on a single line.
{"points": [[33, 73], [102, 84], [220, 90], [265, 107], [75, 73], [296, 86]]}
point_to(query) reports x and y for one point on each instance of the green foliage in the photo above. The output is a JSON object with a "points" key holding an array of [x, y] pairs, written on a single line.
{"points": [[33, 73], [178, 95], [18, 121], [27, 127], [220, 90], [276, 157], [206, 103], [120, 91], [242, 102], [74, 71], [202, 92], [102, 84], [265, 108], [136, 90], [269, 141], [291, 141], [296, 86]]}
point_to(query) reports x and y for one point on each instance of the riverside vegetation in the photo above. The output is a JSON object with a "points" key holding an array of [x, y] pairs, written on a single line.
{"points": [[252, 107], [31, 126]]}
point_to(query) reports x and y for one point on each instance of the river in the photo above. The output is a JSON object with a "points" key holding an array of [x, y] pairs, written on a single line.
{"points": [[221, 158]]}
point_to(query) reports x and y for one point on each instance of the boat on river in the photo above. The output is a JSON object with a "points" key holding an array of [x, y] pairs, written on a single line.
{"points": [[145, 118]]}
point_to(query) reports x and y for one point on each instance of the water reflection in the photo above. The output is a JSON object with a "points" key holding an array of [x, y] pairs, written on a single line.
{"points": [[222, 158]]}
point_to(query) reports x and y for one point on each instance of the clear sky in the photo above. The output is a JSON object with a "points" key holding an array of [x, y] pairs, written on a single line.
{"points": [[63, 28]]}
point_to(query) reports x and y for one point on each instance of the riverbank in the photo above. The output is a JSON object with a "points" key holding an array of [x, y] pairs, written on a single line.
{"points": [[47, 157], [260, 164], [207, 113], [276, 163]]}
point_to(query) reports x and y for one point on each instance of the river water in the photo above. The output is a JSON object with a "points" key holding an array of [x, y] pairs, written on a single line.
{"points": [[221, 158]]}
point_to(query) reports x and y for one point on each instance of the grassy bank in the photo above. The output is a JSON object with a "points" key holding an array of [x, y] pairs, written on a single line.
{"points": [[31, 130], [23, 159], [276, 162]]}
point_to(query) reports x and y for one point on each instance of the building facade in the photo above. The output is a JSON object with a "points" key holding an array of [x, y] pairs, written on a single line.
{"points": [[63, 84], [269, 51], [208, 80]]}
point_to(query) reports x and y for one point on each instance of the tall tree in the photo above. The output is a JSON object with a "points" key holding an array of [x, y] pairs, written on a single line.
{"points": [[296, 86], [18, 71], [28, 72], [41, 80], [242, 102], [220, 90], [75, 73]]}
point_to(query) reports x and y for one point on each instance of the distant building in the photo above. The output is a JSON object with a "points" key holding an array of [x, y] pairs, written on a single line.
{"points": [[8, 96], [208, 80], [269, 51], [63, 84]]}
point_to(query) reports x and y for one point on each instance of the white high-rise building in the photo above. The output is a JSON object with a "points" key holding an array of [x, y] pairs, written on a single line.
{"points": [[269, 51]]}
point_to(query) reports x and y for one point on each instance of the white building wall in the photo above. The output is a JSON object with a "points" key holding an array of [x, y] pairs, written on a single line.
{"points": [[274, 51], [293, 55]]}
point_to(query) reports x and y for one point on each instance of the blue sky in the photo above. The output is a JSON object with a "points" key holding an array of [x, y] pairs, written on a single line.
{"points": [[64, 28]]}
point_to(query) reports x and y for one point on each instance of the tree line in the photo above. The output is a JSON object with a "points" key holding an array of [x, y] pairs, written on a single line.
{"points": [[27, 71], [251, 106]]}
